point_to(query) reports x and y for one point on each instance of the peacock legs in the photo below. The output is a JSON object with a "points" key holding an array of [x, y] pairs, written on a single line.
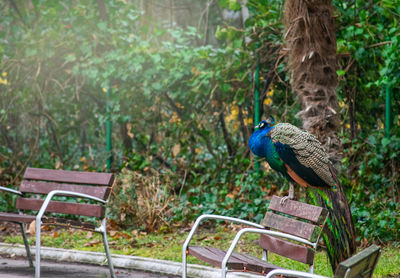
{"points": [[290, 196]]}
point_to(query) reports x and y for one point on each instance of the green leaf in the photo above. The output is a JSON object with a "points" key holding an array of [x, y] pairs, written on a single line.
{"points": [[340, 72]]}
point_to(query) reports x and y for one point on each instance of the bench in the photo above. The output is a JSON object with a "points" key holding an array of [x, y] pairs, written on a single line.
{"points": [[361, 265], [47, 184], [291, 230]]}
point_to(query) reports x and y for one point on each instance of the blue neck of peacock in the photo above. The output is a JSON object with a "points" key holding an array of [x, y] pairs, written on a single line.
{"points": [[260, 144]]}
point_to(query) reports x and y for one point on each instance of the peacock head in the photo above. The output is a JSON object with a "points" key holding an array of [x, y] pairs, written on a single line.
{"points": [[266, 124]]}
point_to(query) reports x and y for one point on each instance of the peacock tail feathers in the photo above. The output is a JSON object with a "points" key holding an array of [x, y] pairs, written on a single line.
{"points": [[339, 233]]}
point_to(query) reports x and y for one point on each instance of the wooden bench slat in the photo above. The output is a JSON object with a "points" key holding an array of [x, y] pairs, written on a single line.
{"points": [[26, 218], [62, 207], [40, 187], [237, 261], [291, 226], [13, 217], [361, 263], [68, 222], [69, 176], [287, 249], [298, 209], [213, 256]]}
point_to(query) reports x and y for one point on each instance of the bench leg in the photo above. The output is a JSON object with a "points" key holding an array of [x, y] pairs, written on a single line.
{"points": [[184, 264], [106, 248], [37, 259], [28, 250]]}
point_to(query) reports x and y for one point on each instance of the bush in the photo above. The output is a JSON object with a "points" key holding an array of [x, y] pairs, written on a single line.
{"points": [[141, 201], [374, 177]]}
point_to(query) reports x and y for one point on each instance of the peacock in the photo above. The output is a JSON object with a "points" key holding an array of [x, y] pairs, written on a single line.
{"points": [[301, 159]]}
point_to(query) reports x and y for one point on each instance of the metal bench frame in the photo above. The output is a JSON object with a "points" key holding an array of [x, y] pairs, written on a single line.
{"points": [[39, 216], [255, 228]]}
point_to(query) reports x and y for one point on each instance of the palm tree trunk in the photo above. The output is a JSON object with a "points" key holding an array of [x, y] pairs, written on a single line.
{"points": [[310, 36], [311, 41]]}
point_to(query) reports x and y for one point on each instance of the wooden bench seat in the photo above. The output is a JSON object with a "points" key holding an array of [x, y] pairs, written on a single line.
{"points": [[236, 262], [87, 194], [291, 230]]}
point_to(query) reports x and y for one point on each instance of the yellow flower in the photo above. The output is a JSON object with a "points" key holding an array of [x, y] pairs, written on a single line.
{"points": [[270, 93], [347, 125], [4, 74], [380, 125], [267, 101], [3, 81], [248, 121], [234, 112], [104, 90]]}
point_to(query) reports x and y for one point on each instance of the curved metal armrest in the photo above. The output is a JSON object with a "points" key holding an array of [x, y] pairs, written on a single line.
{"points": [[64, 193], [293, 273], [216, 217], [260, 231], [2, 188]]}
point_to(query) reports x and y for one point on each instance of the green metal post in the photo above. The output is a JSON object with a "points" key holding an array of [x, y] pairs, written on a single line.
{"points": [[257, 96], [108, 132], [388, 111]]}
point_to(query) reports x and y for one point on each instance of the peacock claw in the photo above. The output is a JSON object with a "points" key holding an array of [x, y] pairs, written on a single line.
{"points": [[284, 199], [290, 196]]}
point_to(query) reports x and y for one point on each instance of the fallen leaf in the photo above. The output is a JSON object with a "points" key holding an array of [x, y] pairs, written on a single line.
{"points": [[32, 228], [126, 235], [92, 243], [135, 233], [113, 233], [89, 234], [176, 149]]}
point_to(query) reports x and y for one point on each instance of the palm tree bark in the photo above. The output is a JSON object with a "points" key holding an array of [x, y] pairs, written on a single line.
{"points": [[311, 41]]}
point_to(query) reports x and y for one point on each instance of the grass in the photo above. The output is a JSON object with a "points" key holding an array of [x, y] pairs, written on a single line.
{"points": [[169, 247]]}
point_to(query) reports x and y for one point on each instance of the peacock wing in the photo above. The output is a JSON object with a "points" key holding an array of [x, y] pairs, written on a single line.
{"points": [[303, 153]]}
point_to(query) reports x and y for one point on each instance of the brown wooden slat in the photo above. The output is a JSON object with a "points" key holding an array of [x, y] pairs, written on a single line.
{"points": [[253, 264], [238, 261], [287, 249], [13, 217], [305, 211], [291, 226], [69, 176], [68, 223], [214, 256], [39, 187], [25, 218], [62, 207]]}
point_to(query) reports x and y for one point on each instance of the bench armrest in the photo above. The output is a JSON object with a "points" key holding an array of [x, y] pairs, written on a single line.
{"points": [[292, 273], [260, 231], [2, 188], [216, 217], [63, 193]]}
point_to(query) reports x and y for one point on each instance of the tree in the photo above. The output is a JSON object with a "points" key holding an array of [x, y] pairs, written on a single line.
{"points": [[310, 37], [309, 31]]}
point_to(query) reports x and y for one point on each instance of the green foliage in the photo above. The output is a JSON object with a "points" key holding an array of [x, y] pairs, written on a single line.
{"points": [[376, 183], [184, 108]]}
